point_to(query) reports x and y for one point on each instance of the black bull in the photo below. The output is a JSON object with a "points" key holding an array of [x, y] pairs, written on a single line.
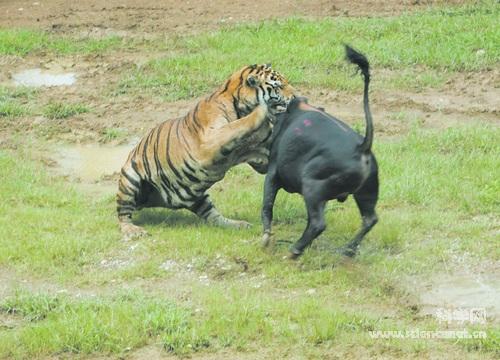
{"points": [[322, 158]]}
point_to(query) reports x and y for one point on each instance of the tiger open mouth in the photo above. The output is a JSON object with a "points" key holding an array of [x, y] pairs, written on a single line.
{"points": [[278, 106]]}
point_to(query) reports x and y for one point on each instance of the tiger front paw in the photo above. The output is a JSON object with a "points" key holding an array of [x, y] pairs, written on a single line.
{"points": [[237, 224], [130, 231]]}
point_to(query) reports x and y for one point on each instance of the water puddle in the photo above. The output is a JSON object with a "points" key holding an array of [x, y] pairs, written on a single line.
{"points": [[93, 167], [37, 78], [92, 163], [466, 291]]}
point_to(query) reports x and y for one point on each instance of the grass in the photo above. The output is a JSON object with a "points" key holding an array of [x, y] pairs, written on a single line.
{"points": [[122, 322], [420, 50], [56, 110], [22, 42], [11, 109], [190, 287], [412, 202], [114, 325], [112, 133], [255, 299], [14, 101], [41, 247]]}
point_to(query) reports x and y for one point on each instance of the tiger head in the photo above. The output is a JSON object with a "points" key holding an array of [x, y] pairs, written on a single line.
{"points": [[260, 83]]}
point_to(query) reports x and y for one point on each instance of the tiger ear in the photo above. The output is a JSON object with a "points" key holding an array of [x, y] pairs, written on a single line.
{"points": [[252, 81]]}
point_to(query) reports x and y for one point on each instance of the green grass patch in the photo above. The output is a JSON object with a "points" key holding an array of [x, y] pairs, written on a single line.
{"points": [[55, 324], [59, 324], [429, 180], [12, 109], [57, 110], [250, 298], [112, 133], [420, 48], [21, 42], [456, 169], [14, 102], [242, 317], [45, 226], [32, 307]]}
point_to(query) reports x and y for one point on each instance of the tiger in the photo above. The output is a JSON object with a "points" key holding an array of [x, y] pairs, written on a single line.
{"points": [[177, 161]]}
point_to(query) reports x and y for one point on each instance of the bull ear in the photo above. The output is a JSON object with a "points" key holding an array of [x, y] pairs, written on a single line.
{"points": [[252, 81]]}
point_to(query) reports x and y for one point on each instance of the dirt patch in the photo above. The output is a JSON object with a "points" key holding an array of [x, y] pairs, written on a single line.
{"points": [[465, 98], [155, 352], [123, 17], [329, 352]]}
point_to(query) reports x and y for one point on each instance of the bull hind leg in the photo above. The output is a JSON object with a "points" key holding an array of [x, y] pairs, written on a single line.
{"points": [[315, 226], [206, 210], [366, 199], [132, 192]]}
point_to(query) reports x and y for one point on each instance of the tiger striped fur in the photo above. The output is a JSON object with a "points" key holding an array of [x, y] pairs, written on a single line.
{"points": [[176, 163]]}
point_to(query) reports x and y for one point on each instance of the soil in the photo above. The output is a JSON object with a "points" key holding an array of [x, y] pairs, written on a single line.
{"points": [[153, 16]]}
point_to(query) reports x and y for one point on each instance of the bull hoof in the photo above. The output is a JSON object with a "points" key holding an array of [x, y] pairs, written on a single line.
{"points": [[294, 253], [348, 251], [266, 239]]}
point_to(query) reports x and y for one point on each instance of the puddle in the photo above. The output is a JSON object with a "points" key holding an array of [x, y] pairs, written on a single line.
{"points": [[463, 291], [94, 167], [92, 163], [37, 78]]}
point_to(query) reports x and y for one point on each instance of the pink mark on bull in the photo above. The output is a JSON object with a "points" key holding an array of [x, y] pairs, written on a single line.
{"points": [[298, 131], [307, 122]]}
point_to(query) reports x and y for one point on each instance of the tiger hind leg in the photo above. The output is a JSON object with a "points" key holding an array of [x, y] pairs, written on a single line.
{"points": [[129, 193], [206, 210]]}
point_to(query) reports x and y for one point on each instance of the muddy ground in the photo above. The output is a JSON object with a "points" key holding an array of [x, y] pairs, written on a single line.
{"points": [[466, 96], [152, 16]]}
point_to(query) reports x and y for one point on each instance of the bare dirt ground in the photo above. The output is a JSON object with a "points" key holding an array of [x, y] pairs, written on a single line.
{"points": [[152, 16]]}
